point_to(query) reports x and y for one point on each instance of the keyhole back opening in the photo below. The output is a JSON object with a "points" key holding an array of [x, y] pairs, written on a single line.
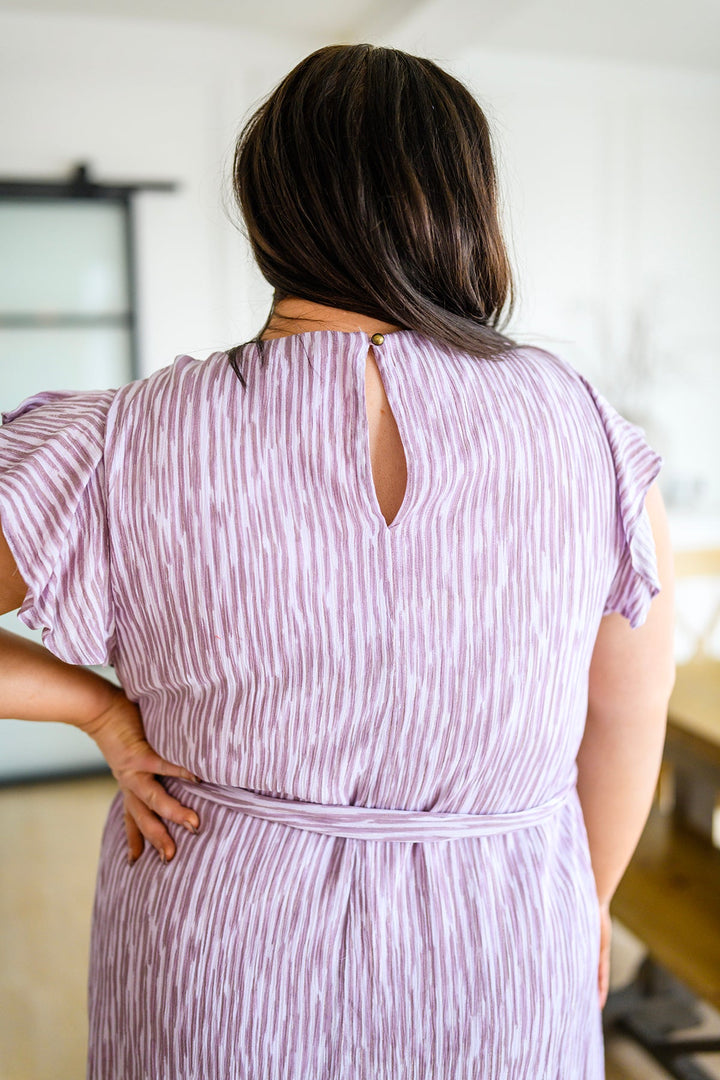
{"points": [[388, 461]]}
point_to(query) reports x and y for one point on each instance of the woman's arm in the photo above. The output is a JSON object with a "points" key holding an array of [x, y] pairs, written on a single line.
{"points": [[631, 678], [632, 674], [36, 685]]}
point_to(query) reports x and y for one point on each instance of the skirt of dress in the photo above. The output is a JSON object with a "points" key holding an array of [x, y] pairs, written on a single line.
{"points": [[269, 951]]}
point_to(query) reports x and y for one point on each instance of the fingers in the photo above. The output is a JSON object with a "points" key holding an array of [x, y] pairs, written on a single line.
{"points": [[150, 826], [145, 804], [603, 985], [151, 792], [136, 843], [153, 763], [604, 963]]}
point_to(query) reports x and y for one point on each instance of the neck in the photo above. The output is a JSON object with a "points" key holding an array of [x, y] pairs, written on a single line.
{"points": [[295, 316]]}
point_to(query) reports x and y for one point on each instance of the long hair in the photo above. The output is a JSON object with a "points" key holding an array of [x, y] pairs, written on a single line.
{"points": [[366, 182]]}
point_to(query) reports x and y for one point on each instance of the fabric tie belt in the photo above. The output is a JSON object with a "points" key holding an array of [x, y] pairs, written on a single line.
{"points": [[368, 823]]}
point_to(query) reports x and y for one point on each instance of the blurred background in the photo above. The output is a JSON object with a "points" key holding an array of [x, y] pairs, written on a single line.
{"points": [[119, 249]]}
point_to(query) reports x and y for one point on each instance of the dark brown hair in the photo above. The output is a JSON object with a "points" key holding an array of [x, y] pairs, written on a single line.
{"points": [[366, 182]]}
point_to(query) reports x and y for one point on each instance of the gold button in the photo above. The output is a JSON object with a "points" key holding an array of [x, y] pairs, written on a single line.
{"points": [[377, 339]]}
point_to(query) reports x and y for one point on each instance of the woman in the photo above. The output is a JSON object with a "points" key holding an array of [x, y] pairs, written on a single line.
{"points": [[395, 588]]}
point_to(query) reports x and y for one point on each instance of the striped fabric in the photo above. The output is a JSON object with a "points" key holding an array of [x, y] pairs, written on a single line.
{"points": [[392, 879]]}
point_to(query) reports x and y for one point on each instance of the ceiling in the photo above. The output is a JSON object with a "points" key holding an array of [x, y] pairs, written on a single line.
{"points": [[684, 33], [321, 21], [675, 32]]}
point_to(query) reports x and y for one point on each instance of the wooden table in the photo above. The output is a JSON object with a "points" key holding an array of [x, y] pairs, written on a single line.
{"points": [[692, 747], [669, 897], [695, 706]]}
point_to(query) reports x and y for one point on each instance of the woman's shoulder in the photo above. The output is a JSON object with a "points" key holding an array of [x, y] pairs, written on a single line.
{"points": [[184, 371], [175, 385], [546, 377], [537, 362], [588, 416]]}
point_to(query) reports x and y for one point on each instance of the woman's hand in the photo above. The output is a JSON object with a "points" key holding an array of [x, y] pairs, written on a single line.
{"points": [[119, 733], [604, 965]]}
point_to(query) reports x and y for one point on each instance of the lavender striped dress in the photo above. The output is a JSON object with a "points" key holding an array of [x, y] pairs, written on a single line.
{"points": [[392, 879]]}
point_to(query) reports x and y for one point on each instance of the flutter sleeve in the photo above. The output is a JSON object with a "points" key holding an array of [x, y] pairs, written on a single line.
{"points": [[636, 466], [53, 516]]}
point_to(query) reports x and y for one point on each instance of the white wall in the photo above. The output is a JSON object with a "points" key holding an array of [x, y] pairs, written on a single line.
{"points": [[143, 100]]}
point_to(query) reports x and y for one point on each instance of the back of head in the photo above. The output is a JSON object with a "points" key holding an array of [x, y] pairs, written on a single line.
{"points": [[366, 182]]}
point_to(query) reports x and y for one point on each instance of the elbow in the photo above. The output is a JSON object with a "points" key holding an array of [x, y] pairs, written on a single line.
{"points": [[667, 682], [664, 685]]}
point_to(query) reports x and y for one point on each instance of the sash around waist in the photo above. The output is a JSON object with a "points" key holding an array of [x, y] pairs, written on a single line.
{"points": [[368, 823]]}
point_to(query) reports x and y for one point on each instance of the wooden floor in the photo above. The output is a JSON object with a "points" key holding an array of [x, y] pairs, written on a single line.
{"points": [[49, 841]]}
